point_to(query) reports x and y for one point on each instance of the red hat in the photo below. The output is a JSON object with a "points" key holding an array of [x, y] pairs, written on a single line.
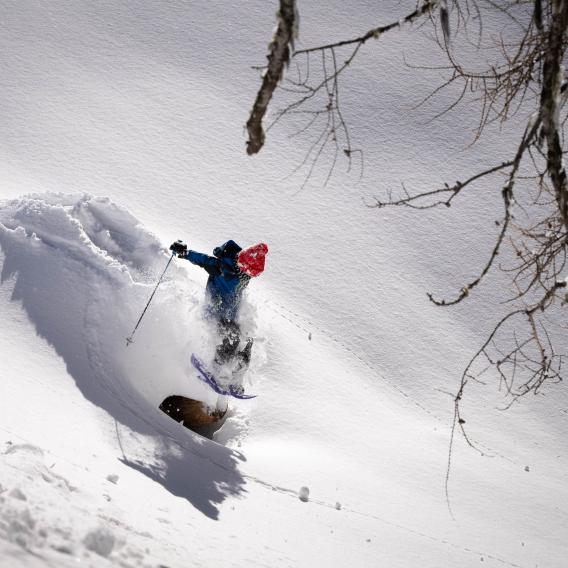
{"points": [[251, 260]]}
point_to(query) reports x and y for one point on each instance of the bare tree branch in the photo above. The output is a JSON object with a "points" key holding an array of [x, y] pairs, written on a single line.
{"points": [[516, 74], [550, 102], [454, 190], [507, 193], [375, 33], [278, 58]]}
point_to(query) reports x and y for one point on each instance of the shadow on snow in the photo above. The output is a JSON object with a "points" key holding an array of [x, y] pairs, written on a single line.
{"points": [[58, 290]]}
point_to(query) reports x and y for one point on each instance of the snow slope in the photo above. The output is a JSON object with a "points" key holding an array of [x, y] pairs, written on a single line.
{"points": [[122, 112], [78, 267]]}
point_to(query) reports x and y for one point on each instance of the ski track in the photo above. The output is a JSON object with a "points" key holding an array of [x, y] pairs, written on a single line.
{"points": [[307, 328]]}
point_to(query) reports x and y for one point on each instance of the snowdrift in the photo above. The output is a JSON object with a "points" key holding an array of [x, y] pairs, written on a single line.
{"points": [[84, 271]]}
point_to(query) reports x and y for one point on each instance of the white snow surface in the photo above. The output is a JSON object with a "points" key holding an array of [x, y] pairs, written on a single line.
{"points": [[122, 130]]}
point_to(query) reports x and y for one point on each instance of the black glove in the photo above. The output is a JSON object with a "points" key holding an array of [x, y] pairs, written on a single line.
{"points": [[179, 248]]}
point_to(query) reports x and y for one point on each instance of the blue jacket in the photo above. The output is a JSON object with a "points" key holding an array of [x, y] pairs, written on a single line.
{"points": [[226, 282]]}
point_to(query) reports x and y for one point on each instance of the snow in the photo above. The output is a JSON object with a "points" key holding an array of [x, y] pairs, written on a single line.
{"points": [[100, 541], [122, 134]]}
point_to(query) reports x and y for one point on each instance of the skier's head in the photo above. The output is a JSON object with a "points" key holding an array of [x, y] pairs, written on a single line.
{"points": [[251, 260], [230, 249]]}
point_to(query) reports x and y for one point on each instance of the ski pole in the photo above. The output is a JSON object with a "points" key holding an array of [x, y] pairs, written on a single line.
{"points": [[129, 340]]}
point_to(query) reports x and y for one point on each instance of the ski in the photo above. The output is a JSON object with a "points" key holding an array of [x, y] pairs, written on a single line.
{"points": [[207, 377]]}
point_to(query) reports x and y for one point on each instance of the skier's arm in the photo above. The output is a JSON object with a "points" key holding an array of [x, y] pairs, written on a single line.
{"points": [[209, 263]]}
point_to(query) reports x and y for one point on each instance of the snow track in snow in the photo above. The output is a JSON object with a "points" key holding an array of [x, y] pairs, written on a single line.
{"points": [[308, 327]]}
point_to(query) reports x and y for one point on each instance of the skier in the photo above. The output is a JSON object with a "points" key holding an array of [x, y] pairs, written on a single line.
{"points": [[230, 270]]}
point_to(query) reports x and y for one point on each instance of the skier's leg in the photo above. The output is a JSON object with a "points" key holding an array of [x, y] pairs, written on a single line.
{"points": [[243, 356], [229, 333]]}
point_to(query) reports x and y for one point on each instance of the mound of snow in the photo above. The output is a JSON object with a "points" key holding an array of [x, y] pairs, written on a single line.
{"points": [[84, 270]]}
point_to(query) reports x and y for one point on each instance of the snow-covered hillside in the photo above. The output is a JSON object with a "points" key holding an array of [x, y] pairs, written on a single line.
{"points": [[122, 131]]}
